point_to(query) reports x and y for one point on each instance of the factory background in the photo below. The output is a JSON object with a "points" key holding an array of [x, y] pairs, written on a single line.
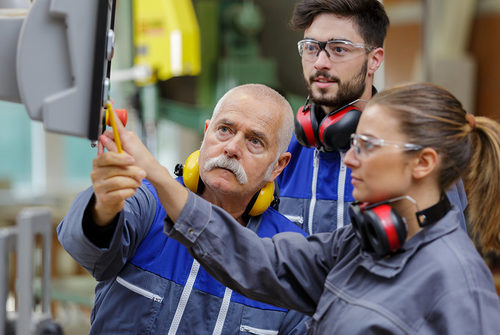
{"points": [[453, 43]]}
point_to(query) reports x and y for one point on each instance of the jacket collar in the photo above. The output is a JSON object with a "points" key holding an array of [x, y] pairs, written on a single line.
{"points": [[393, 264]]}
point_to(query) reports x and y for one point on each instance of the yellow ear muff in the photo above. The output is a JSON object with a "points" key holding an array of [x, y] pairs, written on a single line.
{"points": [[264, 199], [191, 177], [191, 172]]}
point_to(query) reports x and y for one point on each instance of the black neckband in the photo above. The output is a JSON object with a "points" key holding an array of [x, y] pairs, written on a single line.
{"points": [[434, 213]]}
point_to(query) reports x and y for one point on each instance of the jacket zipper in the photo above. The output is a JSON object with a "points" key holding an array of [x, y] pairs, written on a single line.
{"points": [[257, 331], [297, 219], [221, 318], [186, 292], [312, 205], [341, 191], [139, 290]]}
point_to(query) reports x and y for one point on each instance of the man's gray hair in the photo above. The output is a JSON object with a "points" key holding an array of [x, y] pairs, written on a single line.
{"points": [[265, 93]]}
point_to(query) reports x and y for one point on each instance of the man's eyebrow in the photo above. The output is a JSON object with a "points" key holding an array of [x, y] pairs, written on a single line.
{"points": [[226, 122], [260, 135], [343, 39]]}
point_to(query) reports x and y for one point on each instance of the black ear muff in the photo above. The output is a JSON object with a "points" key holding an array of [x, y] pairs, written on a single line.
{"points": [[190, 173], [358, 221], [379, 228], [336, 128], [305, 127]]}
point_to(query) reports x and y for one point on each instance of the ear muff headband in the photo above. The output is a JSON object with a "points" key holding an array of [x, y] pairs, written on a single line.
{"points": [[191, 176]]}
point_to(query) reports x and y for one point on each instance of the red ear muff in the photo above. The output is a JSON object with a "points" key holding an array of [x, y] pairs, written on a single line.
{"points": [[336, 128], [379, 228], [386, 229], [332, 132], [305, 127]]}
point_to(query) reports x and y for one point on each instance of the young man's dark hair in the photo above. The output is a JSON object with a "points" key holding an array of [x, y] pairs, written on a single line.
{"points": [[369, 16]]}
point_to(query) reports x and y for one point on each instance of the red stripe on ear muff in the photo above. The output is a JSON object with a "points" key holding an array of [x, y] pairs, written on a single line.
{"points": [[304, 119], [383, 212], [331, 119]]}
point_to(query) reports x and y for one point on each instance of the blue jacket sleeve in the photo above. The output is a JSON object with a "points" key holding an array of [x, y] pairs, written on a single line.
{"points": [[132, 226]]}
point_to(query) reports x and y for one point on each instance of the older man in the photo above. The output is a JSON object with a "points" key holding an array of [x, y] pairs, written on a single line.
{"points": [[149, 283]]}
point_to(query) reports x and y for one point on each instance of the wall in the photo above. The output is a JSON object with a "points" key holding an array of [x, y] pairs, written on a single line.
{"points": [[404, 44]]}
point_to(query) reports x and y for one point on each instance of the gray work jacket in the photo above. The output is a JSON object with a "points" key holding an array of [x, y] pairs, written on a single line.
{"points": [[437, 284]]}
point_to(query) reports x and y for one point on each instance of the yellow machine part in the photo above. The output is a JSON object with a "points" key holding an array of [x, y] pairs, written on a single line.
{"points": [[166, 38]]}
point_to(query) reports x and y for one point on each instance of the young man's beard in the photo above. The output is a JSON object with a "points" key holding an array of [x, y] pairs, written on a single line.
{"points": [[347, 92]]}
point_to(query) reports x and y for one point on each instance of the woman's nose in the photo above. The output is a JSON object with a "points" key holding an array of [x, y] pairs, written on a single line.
{"points": [[350, 158]]}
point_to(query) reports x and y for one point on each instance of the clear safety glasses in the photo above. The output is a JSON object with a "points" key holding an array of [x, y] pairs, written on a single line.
{"points": [[337, 50], [363, 145]]}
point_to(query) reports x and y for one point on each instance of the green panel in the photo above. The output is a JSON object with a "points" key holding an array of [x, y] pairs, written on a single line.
{"points": [[236, 71], [208, 19], [15, 143], [296, 101], [192, 117], [78, 156]]}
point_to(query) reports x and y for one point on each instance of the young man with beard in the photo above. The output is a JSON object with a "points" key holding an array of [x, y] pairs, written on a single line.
{"points": [[149, 283], [341, 50]]}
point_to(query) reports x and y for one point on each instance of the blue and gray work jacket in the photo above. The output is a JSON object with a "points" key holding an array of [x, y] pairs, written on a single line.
{"points": [[150, 284]]}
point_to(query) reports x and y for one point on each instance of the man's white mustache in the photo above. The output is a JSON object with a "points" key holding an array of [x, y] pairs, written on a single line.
{"points": [[230, 164]]}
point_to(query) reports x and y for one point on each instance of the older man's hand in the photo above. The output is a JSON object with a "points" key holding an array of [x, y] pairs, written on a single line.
{"points": [[114, 178]]}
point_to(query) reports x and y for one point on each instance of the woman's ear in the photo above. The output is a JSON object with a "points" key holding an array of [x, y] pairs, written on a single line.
{"points": [[425, 163]]}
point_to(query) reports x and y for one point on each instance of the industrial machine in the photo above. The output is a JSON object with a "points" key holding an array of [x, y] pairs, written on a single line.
{"points": [[20, 240], [55, 59]]}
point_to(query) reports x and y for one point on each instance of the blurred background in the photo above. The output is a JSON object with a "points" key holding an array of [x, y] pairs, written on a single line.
{"points": [[175, 58]]}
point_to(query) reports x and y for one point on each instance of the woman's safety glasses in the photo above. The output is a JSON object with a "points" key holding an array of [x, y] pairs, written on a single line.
{"points": [[363, 145]]}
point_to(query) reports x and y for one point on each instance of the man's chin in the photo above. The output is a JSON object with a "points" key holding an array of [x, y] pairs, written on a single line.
{"points": [[323, 97], [224, 180]]}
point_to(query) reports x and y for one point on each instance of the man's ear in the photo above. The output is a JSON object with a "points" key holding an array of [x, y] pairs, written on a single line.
{"points": [[425, 163], [207, 123], [280, 165], [375, 59]]}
